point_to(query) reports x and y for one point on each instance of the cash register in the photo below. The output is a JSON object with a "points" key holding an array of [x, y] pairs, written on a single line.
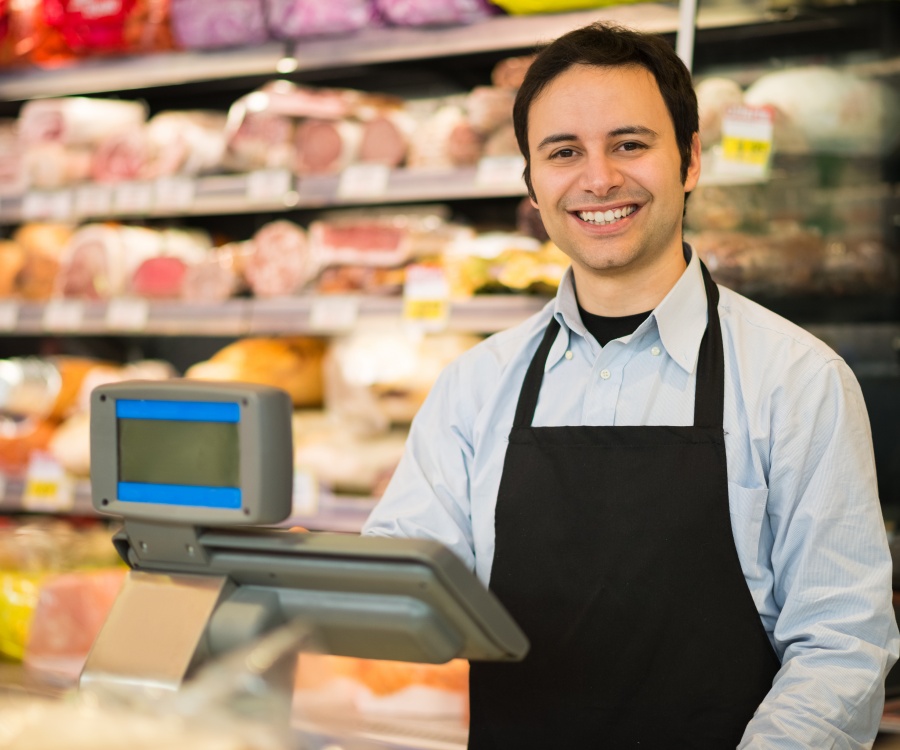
{"points": [[200, 475]]}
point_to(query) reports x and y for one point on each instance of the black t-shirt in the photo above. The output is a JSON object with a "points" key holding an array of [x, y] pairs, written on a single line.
{"points": [[606, 329]]}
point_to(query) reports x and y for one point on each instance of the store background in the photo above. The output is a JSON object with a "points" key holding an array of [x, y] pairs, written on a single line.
{"points": [[817, 240]]}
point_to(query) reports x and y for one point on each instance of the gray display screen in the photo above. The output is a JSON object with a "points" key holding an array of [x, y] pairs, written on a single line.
{"points": [[179, 452]]}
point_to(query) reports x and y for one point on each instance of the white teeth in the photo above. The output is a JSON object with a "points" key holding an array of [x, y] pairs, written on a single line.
{"points": [[606, 217]]}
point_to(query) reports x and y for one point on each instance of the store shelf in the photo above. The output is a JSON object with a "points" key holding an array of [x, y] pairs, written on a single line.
{"points": [[272, 190], [309, 314]]}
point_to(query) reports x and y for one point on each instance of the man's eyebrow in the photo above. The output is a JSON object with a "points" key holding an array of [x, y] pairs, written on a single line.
{"points": [[624, 130]]}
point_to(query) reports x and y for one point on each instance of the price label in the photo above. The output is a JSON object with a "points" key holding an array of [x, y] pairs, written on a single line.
{"points": [[127, 314], [9, 315], [268, 185], [2, 488], [363, 181], [746, 141], [134, 197], [93, 200], [333, 313], [305, 499], [47, 485], [42, 205], [175, 193], [426, 297], [506, 171], [63, 315]]}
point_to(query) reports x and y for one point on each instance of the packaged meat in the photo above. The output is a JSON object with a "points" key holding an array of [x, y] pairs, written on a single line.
{"points": [[54, 165], [301, 19], [835, 110], [77, 120], [217, 276], [444, 140], [280, 262], [509, 72], [68, 615], [489, 107], [162, 275], [434, 12], [123, 157], [291, 363], [199, 24], [326, 146], [19, 439], [385, 137], [188, 142], [44, 245], [103, 27], [12, 260], [12, 175], [360, 279], [729, 207], [714, 97], [259, 140]]}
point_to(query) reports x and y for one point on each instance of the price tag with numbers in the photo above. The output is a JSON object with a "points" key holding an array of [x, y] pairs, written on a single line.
{"points": [[9, 315], [63, 315], [127, 314], [426, 297], [746, 142], [363, 181], [268, 185], [134, 197], [48, 487], [333, 313], [500, 171], [175, 193]]}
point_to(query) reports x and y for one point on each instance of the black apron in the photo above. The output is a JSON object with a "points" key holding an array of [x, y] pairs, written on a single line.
{"points": [[614, 553]]}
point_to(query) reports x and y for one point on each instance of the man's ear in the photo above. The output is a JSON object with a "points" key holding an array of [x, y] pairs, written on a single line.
{"points": [[693, 170]]}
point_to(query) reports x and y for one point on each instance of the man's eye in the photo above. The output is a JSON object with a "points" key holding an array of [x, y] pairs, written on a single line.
{"points": [[564, 153], [631, 146]]}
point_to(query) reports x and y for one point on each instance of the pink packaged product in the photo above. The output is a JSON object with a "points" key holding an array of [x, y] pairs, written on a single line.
{"points": [[200, 24], [434, 12], [299, 19]]}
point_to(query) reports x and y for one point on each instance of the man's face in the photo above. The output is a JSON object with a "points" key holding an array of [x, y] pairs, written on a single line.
{"points": [[606, 169]]}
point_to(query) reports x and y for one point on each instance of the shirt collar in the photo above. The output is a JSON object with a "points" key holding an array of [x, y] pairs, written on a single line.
{"points": [[680, 317]]}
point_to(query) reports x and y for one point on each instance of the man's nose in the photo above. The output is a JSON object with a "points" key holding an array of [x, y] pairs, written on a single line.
{"points": [[600, 174]]}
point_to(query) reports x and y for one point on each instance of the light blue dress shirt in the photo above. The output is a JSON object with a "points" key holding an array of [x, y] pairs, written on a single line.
{"points": [[802, 490]]}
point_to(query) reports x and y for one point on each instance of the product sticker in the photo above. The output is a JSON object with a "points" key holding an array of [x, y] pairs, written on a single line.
{"points": [[363, 181], [174, 193], [93, 200], [9, 315], [426, 297], [746, 142], [44, 205], [47, 485], [268, 185], [134, 197], [499, 171]]}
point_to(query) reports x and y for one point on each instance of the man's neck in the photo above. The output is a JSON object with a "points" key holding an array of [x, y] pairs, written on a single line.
{"points": [[618, 294]]}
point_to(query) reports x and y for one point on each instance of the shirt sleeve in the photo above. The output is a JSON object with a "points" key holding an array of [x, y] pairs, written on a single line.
{"points": [[428, 495], [836, 631]]}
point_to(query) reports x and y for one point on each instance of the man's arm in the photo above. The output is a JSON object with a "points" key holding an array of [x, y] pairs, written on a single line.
{"points": [[832, 571], [428, 495]]}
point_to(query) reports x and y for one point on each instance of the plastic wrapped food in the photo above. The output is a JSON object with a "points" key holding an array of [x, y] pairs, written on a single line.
{"points": [[434, 12], [279, 261], [200, 24], [300, 19]]}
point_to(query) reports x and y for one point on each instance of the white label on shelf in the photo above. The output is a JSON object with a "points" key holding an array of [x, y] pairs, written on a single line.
{"points": [[746, 147], [175, 193], [333, 313], [40, 205], [500, 170], [93, 200], [63, 315], [2, 488], [48, 487], [134, 197], [9, 315], [306, 493], [426, 297], [268, 185], [127, 314], [363, 181]]}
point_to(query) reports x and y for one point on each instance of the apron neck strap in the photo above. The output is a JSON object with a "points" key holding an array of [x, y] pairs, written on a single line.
{"points": [[709, 400]]}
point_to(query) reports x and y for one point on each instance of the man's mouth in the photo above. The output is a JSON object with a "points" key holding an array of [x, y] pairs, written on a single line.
{"points": [[602, 218]]}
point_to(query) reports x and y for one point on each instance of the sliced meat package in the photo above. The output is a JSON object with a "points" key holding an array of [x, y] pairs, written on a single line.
{"points": [[435, 12], [50, 166], [12, 260], [301, 19], [44, 244], [280, 262], [218, 276], [445, 139], [162, 276], [123, 157], [200, 24], [12, 171], [326, 146], [77, 120], [386, 136], [489, 107], [188, 142]]}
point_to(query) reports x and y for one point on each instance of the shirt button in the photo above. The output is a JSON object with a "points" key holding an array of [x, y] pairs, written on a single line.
{"points": [[604, 374], [655, 351], [569, 355]]}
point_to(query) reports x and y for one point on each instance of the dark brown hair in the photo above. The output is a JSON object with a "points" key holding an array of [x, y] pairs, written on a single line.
{"points": [[606, 45]]}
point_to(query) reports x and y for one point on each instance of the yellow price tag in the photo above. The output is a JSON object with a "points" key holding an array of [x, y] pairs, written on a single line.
{"points": [[47, 485], [746, 148], [747, 151], [425, 309]]}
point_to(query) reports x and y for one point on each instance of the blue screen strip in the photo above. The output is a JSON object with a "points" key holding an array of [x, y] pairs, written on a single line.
{"points": [[179, 411], [228, 498]]}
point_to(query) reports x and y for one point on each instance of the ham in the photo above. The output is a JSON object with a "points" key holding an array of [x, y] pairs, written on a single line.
{"points": [[159, 278], [489, 107], [280, 262], [44, 245], [326, 146], [385, 138], [215, 278], [300, 19], [122, 157], [188, 142], [77, 120], [200, 24]]}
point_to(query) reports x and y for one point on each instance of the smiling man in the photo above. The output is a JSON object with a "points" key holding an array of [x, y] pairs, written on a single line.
{"points": [[670, 488]]}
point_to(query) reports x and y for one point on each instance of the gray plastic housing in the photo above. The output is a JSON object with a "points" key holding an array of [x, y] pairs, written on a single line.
{"points": [[265, 450]]}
